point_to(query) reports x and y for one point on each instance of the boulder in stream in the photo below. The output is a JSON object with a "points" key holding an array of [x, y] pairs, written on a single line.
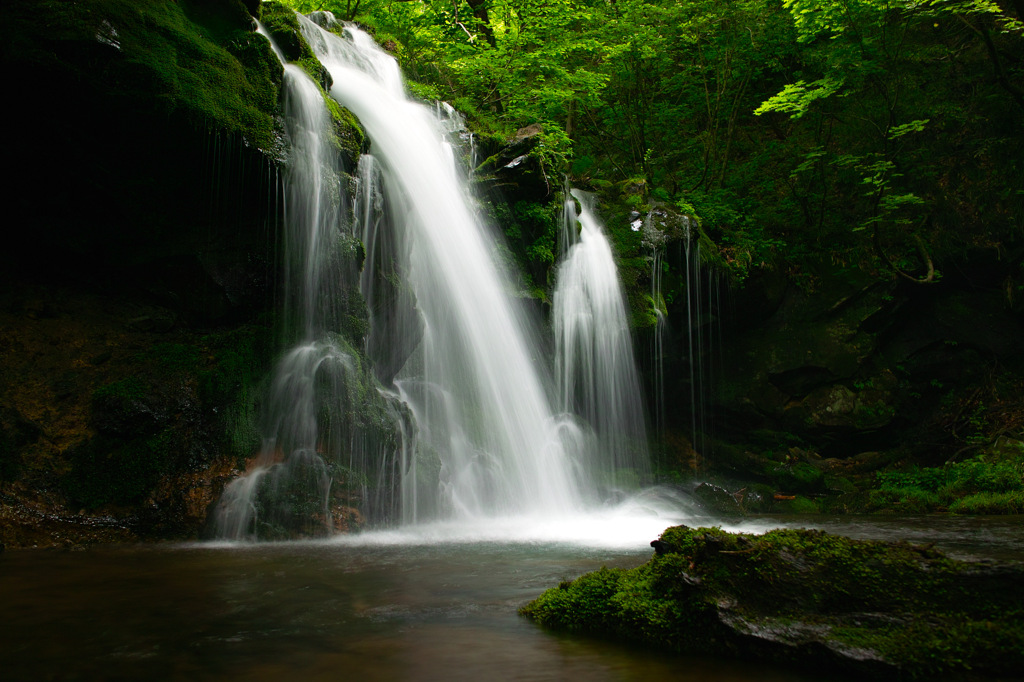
{"points": [[806, 598]]}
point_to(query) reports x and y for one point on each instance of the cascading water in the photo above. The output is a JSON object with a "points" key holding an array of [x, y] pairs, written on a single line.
{"points": [[594, 364], [699, 319], [472, 424], [313, 438], [489, 441]]}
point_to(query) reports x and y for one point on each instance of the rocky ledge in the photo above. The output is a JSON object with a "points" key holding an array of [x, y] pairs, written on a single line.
{"points": [[809, 599]]}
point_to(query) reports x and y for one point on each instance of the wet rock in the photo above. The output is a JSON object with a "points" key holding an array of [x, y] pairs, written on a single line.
{"points": [[16, 433], [718, 500], [514, 170], [663, 547]]}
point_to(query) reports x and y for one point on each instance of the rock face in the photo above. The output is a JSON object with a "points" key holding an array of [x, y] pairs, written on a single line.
{"points": [[117, 421], [139, 269], [808, 599], [144, 144], [137, 266], [841, 361]]}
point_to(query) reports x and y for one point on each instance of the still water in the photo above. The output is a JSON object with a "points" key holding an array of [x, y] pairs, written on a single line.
{"points": [[379, 607]]}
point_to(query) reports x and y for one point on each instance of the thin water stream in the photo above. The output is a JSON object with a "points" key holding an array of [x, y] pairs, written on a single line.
{"points": [[376, 607]]}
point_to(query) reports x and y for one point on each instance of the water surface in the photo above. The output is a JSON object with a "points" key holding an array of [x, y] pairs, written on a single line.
{"points": [[376, 607]]}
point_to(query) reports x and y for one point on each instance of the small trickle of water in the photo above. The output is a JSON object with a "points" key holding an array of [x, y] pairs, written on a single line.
{"points": [[654, 243], [703, 294]]}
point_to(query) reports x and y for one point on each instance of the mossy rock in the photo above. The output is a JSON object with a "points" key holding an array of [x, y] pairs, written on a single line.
{"points": [[110, 471], [283, 25], [164, 55], [168, 115], [798, 477], [805, 598], [189, 406], [717, 500]]}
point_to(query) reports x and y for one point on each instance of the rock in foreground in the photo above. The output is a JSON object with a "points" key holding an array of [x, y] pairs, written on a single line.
{"points": [[807, 598]]}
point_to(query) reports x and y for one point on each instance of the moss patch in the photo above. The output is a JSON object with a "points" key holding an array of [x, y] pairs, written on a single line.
{"points": [[808, 598], [200, 60], [991, 482]]}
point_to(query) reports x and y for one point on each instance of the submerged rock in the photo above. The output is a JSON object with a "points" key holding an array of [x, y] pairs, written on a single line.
{"points": [[807, 598]]}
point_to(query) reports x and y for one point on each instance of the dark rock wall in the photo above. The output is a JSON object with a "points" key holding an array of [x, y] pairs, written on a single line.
{"points": [[840, 361], [138, 271]]}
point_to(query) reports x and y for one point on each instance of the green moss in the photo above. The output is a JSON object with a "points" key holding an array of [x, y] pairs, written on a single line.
{"points": [[281, 22], [349, 137], [990, 503], [188, 403], [179, 58], [121, 403], [918, 610], [908, 500], [233, 379], [283, 25], [172, 357], [989, 483], [798, 477], [938, 644], [130, 388]]}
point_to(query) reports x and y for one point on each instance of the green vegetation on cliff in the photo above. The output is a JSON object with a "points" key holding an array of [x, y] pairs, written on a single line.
{"points": [[885, 134], [805, 598], [187, 406], [201, 60]]}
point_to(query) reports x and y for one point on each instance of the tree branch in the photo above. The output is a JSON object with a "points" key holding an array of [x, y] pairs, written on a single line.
{"points": [[922, 250]]}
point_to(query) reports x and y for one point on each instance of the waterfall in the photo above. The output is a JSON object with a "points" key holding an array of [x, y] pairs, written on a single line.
{"points": [[490, 442], [594, 364], [449, 410], [319, 460], [654, 242]]}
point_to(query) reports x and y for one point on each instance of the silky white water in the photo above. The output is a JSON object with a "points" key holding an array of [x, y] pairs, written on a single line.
{"points": [[468, 423], [476, 382], [311, 438], [594, 364], [702, 303]]}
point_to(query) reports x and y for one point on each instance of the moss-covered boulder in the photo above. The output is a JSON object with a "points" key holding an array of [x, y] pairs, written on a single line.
{"points": [[806, 598]]}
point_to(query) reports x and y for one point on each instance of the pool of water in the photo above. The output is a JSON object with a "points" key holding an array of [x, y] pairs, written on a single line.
{"points": [[376, 607]]}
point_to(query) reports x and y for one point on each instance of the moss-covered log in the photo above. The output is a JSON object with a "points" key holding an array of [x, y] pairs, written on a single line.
{"points": [[806, 598]]}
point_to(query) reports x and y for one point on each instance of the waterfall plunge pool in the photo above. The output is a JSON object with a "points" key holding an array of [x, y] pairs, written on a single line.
{"points": [[434, 604]]}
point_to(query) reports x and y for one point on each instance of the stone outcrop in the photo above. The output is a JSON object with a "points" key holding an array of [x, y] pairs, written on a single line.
{"points": [[806, 599]]}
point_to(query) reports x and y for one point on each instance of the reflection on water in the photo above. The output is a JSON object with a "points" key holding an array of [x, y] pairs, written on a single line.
{"points": [[368, 609]]}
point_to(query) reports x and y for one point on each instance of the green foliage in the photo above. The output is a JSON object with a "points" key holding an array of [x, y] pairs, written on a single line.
{"points": [[1011, 502], [788, 128], [531, 230], [981, 485], [873, 133], [796, 98]]}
